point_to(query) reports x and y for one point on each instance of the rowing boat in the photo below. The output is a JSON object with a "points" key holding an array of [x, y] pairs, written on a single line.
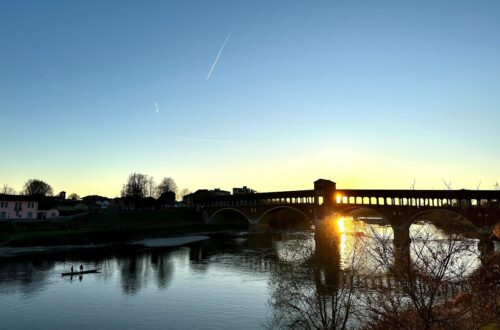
{"points": [[80, 273]]}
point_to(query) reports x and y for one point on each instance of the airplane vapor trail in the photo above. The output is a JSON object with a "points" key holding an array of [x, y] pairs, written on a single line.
{"points": [[218, 141], [220, 52], [214, 64]]}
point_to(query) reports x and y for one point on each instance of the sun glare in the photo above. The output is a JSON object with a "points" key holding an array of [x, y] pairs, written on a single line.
{"points": [[341, 224]]}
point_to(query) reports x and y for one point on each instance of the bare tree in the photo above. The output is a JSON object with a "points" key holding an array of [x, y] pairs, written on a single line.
{"points": [[447, 184], [166, 185], [35, 187], [138, 185], [424, 272], [74, 197], [184, 192], [7, 190], [151, 187]]}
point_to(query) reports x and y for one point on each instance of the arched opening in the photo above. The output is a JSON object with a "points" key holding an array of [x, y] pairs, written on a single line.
{"points": [[229, 218], [446, 222], [366, 214], [283, 217], [442, 237]]}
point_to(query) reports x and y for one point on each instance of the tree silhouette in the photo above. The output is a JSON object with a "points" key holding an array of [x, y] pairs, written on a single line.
{"points": [[7, 190], [166, 185], [35, 187], [138, 185]]}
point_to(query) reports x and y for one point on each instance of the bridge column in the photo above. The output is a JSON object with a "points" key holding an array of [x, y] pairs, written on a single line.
{"points": [[258, 227], [401, 235], [402, 240]]}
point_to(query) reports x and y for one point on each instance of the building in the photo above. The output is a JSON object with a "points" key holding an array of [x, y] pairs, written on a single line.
{"points": [[191, 199], [18, 207], [166, 200], [72, 207], [243, 191], [48, 214]]}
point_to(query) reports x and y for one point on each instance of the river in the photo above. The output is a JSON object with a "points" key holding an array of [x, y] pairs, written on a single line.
{"points": [[221, 283]]}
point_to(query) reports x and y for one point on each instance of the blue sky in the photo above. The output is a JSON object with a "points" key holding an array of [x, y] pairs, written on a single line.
{"points": [[367, 93]]}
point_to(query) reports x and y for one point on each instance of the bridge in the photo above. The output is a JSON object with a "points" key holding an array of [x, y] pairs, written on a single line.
{"points": [[401, 208]]}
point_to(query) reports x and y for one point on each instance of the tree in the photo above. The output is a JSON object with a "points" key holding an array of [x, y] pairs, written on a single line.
{"points": [[7, 190], [422, 270], [166, 185], [74, 197], [151, 187], [138, 185], [185, 192], [35, 187]]}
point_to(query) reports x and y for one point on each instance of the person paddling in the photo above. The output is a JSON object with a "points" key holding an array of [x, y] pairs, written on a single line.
{"points": [[72, 268], [81, 268]]}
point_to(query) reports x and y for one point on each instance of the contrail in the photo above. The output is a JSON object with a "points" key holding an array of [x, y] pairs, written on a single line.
{"points": [[218, 141], [220, 52], [242, 10]]}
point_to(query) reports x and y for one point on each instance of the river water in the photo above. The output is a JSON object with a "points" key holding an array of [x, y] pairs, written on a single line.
{"points": [[220, 283]]}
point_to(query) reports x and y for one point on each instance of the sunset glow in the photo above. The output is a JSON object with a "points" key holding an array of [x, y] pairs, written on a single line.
{"points": [[104, 113]]}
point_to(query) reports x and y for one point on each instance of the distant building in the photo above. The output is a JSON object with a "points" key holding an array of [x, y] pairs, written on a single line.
{"points": [[94, 198], [243, 191], [62, 195], [167, 199], [48, 214], [18, 207], [191, 199], [104, 204], [73, 207]]}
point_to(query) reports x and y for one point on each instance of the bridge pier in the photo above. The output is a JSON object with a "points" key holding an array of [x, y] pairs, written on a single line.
{"points": [[258, 227], [401, 235], [401, 242]]}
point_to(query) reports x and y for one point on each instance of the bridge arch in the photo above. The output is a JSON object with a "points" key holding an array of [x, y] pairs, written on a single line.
{"points": [[419, 214], [212, 216], [370, 208], [308, 217]]}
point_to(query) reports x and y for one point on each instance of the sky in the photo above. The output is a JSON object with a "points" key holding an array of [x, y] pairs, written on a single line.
{"points": [[268, 94]]}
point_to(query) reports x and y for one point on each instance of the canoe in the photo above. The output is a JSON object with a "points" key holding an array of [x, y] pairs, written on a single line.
{"points": [[80, 273]]}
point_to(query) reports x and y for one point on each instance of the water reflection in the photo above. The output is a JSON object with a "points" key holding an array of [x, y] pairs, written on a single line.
{"points": [[308, 288], [136, 269], [338, 276], [358, 273], [26, 276]]}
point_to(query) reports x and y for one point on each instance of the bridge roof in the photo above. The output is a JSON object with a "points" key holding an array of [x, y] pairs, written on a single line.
{"points": [[386, 193], [409, 193], [260, 196]]}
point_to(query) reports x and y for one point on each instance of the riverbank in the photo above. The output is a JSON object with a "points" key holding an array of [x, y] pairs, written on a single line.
{"points": [[104, 228], [146, 243]]}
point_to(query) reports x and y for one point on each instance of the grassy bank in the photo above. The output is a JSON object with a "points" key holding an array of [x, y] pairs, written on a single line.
{"points": [[103, 227]]}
